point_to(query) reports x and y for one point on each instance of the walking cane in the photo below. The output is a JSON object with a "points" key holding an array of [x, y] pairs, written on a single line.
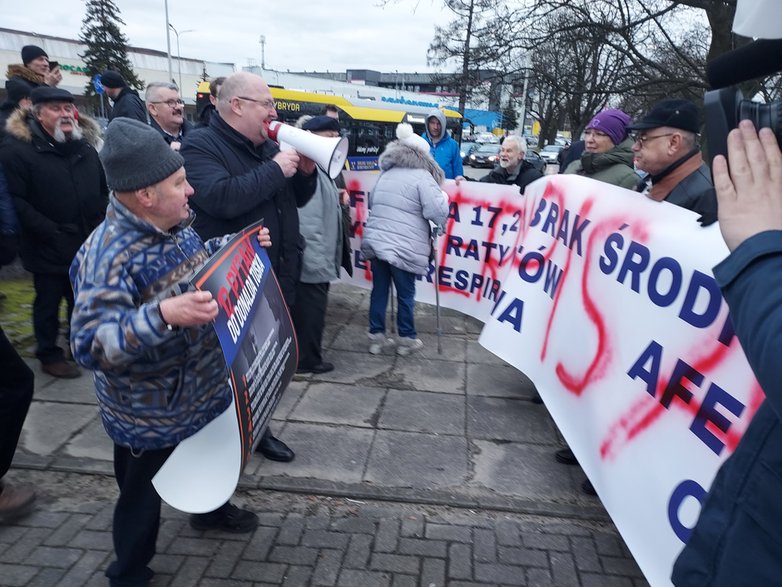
{"points": [[434, 234], [391, 295]]}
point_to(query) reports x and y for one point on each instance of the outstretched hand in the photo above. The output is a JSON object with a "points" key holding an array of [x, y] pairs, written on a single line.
{"points": [[192, 308], [750, 193]]}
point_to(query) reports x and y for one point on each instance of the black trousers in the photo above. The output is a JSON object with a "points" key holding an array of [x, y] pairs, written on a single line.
{"points": [[50, 289], [136, 516], [16, 393], [309, 320]]}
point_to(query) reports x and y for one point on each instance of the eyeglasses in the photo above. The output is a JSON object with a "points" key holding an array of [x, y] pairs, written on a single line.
{"points": [[643, 139], [171, 103], [268, 104]]}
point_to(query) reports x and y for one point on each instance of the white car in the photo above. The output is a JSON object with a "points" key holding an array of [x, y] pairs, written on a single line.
{"points": [[550, 152], [487, 138]]}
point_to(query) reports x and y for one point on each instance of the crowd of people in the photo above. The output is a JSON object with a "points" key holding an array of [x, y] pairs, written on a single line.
{"points": [[115, 226]]}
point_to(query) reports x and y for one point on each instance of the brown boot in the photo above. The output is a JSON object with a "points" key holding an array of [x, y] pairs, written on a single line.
{"points": [[63, 369], [15, 500]]}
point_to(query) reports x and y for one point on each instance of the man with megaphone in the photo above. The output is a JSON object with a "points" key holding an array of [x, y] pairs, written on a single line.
{"points": [[240, 177]]}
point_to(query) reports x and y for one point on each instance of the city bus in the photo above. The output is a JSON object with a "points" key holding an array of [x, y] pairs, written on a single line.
{"points": [[368, 124]]}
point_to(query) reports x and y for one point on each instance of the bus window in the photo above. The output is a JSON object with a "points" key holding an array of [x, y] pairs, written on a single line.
{"points": [[369, 138]]}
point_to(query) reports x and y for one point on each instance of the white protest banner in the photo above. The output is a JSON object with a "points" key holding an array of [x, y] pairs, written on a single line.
{"points": [[632, 352], [480, 241], [606, 300]]}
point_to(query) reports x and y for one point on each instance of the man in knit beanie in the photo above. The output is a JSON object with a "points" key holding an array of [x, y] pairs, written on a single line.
{"points": [[159, 372], [34, 69], [127, 102]]}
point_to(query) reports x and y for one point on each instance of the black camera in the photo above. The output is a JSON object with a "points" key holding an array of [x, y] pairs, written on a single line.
{"points": [[725, 106]]}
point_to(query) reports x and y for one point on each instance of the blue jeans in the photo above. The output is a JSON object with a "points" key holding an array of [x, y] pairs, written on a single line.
{"points": [[404, 281]]}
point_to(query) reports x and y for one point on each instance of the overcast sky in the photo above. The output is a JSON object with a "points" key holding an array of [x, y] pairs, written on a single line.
{"points": [[305, 34]]}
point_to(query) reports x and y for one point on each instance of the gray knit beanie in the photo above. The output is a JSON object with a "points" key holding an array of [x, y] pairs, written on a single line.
{"points": [[135, 156]]}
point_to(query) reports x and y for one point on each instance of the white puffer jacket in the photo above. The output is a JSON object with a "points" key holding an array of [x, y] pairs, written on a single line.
{"points": [[406, 197]]}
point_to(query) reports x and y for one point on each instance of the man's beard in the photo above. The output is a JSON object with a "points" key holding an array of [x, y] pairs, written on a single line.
{"points": [[60, 136]]}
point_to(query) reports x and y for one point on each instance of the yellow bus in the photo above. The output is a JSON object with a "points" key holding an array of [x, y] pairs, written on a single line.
{"points": [[369, 125]]}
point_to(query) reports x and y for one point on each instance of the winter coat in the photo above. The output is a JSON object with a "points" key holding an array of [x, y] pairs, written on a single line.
{"points": [[445, 151], [688, 184], [737, 540], [696, 192], [9, 225], [129, 105], [205, 115], [406, 197], [183, 132], [59, 190], [155, 386], [320, 223], [237, 184], [614, 166], [6, 110], [22, 73], [526, 175]]}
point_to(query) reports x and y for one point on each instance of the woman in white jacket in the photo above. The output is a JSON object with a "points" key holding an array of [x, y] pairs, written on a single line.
{"points": [[396, 236]]}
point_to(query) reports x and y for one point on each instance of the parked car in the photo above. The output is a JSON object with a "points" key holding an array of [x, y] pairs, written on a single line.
{"points": [[550, 152], [467, 150], [536, 160], [487, 137], [486, 156]]}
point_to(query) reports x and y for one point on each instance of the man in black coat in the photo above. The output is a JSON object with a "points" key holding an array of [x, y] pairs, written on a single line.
{"points": [[18, 97], [127, 103], [59, 189], [34, 71], [240, 177], [513, 169], [167, 113], [16, 384], [666, 147]]}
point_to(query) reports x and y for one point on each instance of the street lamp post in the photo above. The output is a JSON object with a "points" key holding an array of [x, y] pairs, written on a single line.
{"points": [[178, 54], [168, 40]]}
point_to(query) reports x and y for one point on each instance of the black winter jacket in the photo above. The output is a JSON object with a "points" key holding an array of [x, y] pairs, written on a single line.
{"points": [[237, 184], [696, 192], [129, 105], [527, 174], [59, 191], [22, 73], [183, 132]]}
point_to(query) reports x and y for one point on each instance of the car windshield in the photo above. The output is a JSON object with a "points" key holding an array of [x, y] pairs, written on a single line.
{"points": [[552, 148], [488, 149]]}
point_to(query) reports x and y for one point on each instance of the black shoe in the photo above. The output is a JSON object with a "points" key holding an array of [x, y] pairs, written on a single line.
{"points": [[62, 369], [588, 488], [566, 457], [275, 449], [323, 367], [536, 399], [226, 518]]}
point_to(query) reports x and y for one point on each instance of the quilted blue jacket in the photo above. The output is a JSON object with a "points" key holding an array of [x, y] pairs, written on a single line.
{"points": [[737, 541], [155, 387]]}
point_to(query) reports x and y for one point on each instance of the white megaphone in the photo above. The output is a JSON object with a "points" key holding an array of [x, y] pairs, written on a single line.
{"points": [[328, 153]]}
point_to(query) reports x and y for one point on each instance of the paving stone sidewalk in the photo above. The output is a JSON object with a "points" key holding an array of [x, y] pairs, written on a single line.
{"points": [[457, 429], [309, 540]]}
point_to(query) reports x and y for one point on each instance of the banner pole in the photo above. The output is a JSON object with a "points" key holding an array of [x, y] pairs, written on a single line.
{"points": [[436, 289]]}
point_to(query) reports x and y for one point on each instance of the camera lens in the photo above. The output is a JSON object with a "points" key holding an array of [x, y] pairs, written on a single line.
{"points": [[762, 115]]}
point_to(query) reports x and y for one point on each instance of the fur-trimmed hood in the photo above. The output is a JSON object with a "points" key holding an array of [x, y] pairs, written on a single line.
{"points": [[24, 72], [398, 154], [20, 126]]}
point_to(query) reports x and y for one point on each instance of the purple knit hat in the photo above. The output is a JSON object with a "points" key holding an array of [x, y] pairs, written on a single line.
{"points": [[612, 122]]}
